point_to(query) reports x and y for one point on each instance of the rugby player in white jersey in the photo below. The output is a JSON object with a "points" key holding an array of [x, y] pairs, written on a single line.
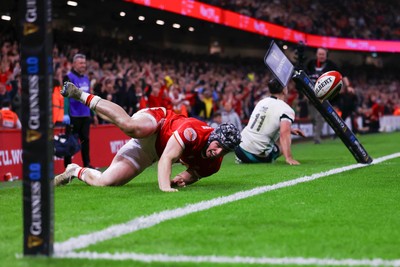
{"points": [[268, 132]]}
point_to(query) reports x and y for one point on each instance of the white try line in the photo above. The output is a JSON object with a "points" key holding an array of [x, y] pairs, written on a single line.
{"points": [[65, 248], [148, 258]]}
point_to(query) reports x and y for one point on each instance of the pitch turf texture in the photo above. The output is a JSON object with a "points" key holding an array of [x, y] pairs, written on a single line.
{"points": [[348, 218]]}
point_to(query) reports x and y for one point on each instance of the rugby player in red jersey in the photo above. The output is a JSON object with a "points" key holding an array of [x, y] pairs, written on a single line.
{"points": [[158, 134]]}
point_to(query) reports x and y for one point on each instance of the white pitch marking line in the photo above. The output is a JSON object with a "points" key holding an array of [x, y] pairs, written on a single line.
{"points": [[223, 259], [143, 222]]}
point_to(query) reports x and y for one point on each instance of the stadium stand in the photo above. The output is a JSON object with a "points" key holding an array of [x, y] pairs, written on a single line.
{"points": [[126, 75], [353, 19]]}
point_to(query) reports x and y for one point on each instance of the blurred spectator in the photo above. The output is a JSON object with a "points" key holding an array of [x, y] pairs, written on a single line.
{"points": [[157, 95], [178, 100], [108, 90], [5, 71], [8, 118], [216, 120], [396, 111], [230, 116], [315, 68], [208, 101], [58, 104], [370, 122], [347, 103], [120, 92], [8, 95], [132, 95], [15, 84], [198, 109], [371, 113], [5, 49]]}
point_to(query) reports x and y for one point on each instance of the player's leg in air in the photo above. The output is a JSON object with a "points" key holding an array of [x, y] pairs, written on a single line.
{"points": [[133, 157], [134, 127]]}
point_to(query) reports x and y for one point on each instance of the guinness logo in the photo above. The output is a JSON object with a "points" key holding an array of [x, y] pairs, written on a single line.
{"points": [[32, 135], [34, 241], [30, 28]]}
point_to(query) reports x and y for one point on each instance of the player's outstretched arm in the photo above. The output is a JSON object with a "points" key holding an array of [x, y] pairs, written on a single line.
{"points": [[286, 142], [171, 154]]}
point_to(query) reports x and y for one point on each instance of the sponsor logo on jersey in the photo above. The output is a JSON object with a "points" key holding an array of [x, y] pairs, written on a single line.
{"points": [[190, 134]]}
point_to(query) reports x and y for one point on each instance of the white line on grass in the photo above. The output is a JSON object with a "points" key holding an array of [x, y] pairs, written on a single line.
{"points": [[143, 222], [221, 259]]}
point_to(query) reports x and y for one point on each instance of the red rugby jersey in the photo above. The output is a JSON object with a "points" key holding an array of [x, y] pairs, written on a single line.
{"points": [[192, 135]]}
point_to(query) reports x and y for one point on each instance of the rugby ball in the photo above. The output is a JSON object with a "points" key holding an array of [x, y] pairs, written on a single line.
{"points": [[328, 85]]}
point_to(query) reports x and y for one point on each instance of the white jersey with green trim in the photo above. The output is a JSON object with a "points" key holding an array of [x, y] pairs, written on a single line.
{"points": [[263, 128]]}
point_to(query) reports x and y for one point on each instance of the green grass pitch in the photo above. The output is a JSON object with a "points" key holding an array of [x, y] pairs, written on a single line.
{"points": [[348, 218]]}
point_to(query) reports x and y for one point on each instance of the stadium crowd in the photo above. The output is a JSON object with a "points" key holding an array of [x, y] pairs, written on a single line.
{"points": [[348, 18], [196, 86], [213, 88]]}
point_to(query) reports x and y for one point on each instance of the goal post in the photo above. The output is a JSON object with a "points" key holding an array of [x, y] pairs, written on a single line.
{"points": [[283, 70], [305, 85], [36, 44]]}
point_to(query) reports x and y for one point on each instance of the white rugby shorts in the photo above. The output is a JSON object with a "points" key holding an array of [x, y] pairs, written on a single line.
{"points": [[140, 152]]}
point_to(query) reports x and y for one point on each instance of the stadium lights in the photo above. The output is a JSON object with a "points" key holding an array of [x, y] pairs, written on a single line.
{"points": [[72, 3], [176, 25], [122, 14], [191, 29], [77, 29], [5, 17], [141, 18], [160, 22]]}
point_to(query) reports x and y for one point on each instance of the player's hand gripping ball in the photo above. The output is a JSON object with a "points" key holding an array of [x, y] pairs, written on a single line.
{"points": [[328, 85]]}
